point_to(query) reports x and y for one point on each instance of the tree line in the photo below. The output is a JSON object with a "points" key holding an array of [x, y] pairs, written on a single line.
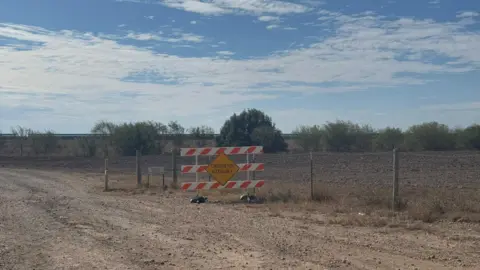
{"points": [[345, 136], [254, 127]]}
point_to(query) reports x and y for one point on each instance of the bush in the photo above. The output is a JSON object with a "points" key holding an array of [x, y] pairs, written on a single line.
{"points": [[344, 136], [148, 137], [129, 137], [430, 137], [44, 143], [388, 139], [87, 145], [469, 138], [310, 138]]}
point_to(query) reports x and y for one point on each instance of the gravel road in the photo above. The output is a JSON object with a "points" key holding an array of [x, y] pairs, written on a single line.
{"points": [[58, 220]]}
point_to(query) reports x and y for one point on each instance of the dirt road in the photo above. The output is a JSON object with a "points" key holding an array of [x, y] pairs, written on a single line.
{"points": [[54, 220]]}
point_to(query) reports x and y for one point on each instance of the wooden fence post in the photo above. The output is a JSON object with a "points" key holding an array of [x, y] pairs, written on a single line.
{"points": [[106, 175], [312, 194], [138, 168], [395, 198], [174, 166], [163, 181]]}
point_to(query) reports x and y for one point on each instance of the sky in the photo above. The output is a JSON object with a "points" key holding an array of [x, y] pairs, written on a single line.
{"points": [[66, 64]]}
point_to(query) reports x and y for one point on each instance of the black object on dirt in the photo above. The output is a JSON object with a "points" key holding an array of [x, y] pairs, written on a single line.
{"points": [[199, 199], [249, 198]]}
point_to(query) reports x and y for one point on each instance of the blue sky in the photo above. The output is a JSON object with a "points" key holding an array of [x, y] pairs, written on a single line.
{"points": [[66, 64]]}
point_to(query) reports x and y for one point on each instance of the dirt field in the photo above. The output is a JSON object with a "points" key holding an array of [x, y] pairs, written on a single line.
{"points": [[62, 220]]}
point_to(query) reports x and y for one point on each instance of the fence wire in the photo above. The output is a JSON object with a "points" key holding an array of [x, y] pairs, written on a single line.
{"points": [[451, 170]]}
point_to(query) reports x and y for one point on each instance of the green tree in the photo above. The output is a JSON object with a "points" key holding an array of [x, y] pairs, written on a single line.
{"points": [[310, 138], [129, 137], [126, 138], [250, 127], [364, 136], [430, 136], [103, 127], [105, 130], [270, 138], [201, 134], [343, 136], [389, 138], [469, 138]]}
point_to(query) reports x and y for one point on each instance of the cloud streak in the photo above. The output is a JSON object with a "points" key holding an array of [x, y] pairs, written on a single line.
{"points": [[93, 72], [220, 7]]}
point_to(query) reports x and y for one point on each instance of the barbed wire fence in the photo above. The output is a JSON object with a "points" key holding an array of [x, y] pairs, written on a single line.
{"points": [[313, 175], [368, 175]]}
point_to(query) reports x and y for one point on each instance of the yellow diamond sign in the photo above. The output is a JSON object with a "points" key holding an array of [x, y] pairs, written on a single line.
{"points": [[222, 169]]}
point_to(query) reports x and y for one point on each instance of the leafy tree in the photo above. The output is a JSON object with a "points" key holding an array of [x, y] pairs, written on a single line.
{"points": [[430, 136], [388, 139], [129, 137], [364, 136], [106, 130], [310, 138], [126, 138], [469, 138], [270, 138], [251, 127], [200, 134]]}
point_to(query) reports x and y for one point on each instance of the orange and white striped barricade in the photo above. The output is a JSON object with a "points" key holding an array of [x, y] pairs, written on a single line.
{"points": [[222, 169]]}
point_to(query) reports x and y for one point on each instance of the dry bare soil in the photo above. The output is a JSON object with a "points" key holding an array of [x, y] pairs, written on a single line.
{"points": [[56, 219]]}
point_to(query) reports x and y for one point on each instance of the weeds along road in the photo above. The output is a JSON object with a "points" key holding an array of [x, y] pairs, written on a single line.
{"points": [[54, 220]]}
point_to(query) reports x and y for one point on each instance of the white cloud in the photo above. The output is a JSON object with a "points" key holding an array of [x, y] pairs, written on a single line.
{"points": [[178, 37], [218, 7], [193, 22], [122, 25], [434, 2], [268, 18], [149, 17], [272, 26], [89, 73], [468, 14], [225, 53], [196, 6], [289, 28]]}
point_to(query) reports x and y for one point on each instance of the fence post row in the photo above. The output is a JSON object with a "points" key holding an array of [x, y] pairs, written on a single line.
{"points": [[312, 192], [213, 151], [174, 166], [395, 198], [138, 169], [156, 171], [106, 175]]}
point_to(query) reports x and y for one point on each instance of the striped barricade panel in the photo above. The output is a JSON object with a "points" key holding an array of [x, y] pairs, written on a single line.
{"points": [[212, 151], [244, 167], [194, 186]]}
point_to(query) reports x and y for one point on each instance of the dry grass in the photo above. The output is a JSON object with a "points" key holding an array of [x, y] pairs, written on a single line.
{"points": [[427, 205], [345, 205]]}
